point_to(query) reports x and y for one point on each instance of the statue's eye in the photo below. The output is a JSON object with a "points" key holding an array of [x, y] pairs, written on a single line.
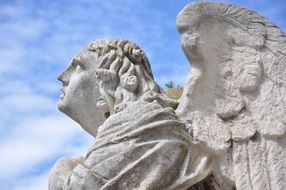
{"points": [[181, 29], [77, 64], [185, 29]]}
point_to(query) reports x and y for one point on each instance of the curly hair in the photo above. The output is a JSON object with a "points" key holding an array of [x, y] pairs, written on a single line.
{"points": [[118, 57]]}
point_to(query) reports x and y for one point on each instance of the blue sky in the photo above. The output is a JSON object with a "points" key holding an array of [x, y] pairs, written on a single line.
{"points": [[38, 38]]}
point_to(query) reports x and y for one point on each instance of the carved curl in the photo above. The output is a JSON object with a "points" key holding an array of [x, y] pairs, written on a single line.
{"points": [[119, 57]]}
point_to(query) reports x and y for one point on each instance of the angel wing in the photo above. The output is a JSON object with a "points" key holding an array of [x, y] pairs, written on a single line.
{"points": [[234, 101]]}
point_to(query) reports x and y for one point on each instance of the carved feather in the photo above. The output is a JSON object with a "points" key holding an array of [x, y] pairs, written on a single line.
{"points": [[241, 57]]}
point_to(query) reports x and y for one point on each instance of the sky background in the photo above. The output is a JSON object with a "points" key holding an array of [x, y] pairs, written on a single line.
{"points": [[38, 38]]}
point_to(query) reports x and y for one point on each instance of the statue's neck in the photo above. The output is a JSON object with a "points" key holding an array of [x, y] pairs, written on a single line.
{"points": [[88, 121]]}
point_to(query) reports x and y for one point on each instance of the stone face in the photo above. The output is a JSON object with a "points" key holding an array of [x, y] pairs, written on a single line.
{"points": [[227, 130], [81, 91], [234, 98]]}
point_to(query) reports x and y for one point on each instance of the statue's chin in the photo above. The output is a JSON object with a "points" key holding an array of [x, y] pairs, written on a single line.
{"points": [[63, 107]]}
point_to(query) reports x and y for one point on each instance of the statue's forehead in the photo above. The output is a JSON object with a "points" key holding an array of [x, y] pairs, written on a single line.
{"points": [[188, 20], [183, 19], [78, 58], [84, 55]]}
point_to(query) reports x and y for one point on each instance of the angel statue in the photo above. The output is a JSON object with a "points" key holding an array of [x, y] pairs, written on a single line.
{"points": [[234, 101], [142, 144], [227, 131]]}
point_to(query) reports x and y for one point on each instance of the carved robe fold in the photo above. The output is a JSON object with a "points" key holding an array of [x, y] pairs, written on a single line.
{"points": [[144, 146]]}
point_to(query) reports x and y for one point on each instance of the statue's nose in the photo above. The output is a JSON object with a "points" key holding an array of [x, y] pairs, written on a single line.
{"points": [[62, 77]]}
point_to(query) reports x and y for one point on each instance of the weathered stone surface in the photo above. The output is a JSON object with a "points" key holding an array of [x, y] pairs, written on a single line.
{"points": [[227, 130], [234, 99], [142, 144]]}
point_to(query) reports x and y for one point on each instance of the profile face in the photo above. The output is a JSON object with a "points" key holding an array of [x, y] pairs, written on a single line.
{"points": [[188, 30], [80, 88]]}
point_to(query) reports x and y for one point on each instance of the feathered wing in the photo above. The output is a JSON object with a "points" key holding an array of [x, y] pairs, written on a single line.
{"points": [[234, 101]]}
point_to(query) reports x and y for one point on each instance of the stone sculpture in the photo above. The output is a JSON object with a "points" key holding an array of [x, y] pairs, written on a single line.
{"points": [[142, 144], [226, 132], [234, 101]]}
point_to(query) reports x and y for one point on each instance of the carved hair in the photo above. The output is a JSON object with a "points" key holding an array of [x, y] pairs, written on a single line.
{"points": [[119, 57]]}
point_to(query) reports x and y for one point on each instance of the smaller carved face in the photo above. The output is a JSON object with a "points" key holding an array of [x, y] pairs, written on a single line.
{"points": [[80, 89], [189, 39]]}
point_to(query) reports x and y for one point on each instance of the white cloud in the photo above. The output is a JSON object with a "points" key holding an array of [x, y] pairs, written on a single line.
{"points": [[32, 142], [39, 182], [36, 141]]}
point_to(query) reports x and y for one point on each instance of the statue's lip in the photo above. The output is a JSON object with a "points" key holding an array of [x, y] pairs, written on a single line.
{"points": [[63, 91]]}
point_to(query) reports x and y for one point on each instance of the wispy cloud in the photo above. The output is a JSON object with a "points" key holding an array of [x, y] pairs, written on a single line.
{"points": [[31, 182], [39, 40]]}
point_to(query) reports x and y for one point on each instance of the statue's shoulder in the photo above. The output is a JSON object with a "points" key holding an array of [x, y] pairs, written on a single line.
{"points": [[137, 110]]}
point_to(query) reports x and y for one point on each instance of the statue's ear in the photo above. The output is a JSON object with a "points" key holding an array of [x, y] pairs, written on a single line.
{"points": [[131, 83]]}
